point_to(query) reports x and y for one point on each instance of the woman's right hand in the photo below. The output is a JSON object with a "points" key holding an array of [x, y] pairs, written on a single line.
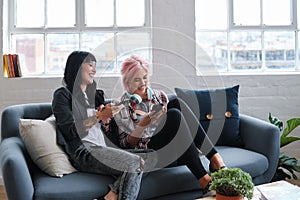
{"points": [[151, 118]]}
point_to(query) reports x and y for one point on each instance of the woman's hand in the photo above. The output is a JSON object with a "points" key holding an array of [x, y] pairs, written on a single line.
{"points": [[105, 112], [152, 117], [147, 120], [116, 108]]}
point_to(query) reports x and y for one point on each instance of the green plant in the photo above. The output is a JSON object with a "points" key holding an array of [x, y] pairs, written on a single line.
{"points": [[232, 182], [286, 165]]}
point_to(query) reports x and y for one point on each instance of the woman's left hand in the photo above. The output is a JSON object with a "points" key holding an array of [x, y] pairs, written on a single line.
{"points": [[152, 117], [156, 116], [104, 112], [116, 108], [107, 111]]}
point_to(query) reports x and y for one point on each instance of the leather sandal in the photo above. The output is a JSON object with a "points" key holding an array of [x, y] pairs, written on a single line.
{"points": [[207, 192], [212, 170]]}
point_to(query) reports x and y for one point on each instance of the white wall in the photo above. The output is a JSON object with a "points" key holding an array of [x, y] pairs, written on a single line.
{"points": [[174, 53]]}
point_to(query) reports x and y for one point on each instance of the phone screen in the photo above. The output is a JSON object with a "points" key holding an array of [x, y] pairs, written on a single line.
{"points": [[157, 107]]}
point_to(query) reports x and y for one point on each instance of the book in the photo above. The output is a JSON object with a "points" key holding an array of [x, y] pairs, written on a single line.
{"points": [[6, 71], [11, 65], [16, 65], [279, 190]]}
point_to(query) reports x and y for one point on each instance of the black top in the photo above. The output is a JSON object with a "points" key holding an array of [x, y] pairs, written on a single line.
{"points": [[70, 110]]}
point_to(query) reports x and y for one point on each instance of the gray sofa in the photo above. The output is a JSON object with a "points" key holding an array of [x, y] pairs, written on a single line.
{"points": [[24, 180]]}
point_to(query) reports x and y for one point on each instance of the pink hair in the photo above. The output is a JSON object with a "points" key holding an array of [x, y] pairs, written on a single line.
{"points": [[130, 67]]}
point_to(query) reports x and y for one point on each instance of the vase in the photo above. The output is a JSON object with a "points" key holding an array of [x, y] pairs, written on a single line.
{"points": [[222, 197]]}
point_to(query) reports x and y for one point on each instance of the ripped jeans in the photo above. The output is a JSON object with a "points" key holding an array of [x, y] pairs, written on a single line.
{"points": [[126, 166]]}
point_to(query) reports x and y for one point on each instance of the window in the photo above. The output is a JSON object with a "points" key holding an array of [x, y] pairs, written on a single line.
{"points": [[248, 35], [44, 32]]}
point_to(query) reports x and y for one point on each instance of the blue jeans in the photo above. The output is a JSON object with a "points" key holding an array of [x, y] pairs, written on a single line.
{"points": [[126, 166]]}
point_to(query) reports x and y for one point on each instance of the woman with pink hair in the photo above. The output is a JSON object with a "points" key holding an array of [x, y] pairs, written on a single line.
{"points": [[146, 123]]}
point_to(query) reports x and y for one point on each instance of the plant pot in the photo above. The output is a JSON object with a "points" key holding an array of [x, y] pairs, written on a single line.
{"points": [[222, 197]]}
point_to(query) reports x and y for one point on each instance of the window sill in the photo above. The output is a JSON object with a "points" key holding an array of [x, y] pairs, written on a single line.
{"points": [[248, 73]]}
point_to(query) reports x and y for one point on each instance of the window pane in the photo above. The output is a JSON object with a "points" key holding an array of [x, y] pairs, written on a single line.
{"points": [[245, 50], [102, 46], [215, 45], [133, 43], [62, 15], [298, 14], [280, 50], [30, 49], [277, 12], [29, 16], [298, 67], [99, 13], [246, 12], [130, 12], [210, 16], [59, 47]]}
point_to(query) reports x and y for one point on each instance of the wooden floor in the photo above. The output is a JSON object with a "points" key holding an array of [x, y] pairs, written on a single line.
{"points": [[3, 195], [296, 182]]}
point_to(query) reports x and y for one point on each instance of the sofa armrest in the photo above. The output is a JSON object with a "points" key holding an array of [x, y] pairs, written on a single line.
{"points": [[15, 172], [261, 137]]}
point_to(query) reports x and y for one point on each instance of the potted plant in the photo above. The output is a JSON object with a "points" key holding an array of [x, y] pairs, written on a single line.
{"points": [[232, 183], [287, 166]]}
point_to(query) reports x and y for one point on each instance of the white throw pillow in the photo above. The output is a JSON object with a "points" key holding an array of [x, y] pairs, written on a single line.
{"points": [[39, 137]]}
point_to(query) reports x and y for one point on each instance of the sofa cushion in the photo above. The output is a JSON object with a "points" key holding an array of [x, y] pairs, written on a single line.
{"points": [[39, 137], [167, 181], [77, 186], [91, 186], [217, 111], [254, 163]]}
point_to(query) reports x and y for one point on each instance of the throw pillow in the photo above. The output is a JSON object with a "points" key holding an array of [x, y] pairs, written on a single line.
{"points": [[39, 137], [217, 111]]}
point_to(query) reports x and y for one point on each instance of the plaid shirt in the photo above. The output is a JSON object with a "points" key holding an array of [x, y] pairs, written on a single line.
{"points": [[127, 119]]}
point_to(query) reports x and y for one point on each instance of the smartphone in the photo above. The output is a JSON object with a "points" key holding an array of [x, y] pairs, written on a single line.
{"points": [[157, 107], [122, 102]]}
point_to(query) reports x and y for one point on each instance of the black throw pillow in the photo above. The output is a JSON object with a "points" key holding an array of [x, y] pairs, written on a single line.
{"points": [[217, 111]]}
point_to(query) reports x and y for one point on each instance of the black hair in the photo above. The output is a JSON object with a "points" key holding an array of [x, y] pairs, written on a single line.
{"points": [[72, 74], [73, 67]]}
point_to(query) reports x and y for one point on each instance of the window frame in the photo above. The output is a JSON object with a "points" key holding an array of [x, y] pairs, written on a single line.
{"points": [[231, 27], [79, 28]]}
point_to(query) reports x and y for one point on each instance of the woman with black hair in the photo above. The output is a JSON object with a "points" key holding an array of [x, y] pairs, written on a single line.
{"points": [[81, 136]]}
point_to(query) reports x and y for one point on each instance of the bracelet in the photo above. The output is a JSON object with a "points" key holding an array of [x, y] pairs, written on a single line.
{"points": [[90, 120]]}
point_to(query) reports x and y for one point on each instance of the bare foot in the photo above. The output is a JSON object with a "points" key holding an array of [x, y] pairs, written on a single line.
{"points": [[111, 196]]}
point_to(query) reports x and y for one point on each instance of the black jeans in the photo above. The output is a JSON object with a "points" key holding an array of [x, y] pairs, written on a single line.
{"points": [[174, 143]]}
